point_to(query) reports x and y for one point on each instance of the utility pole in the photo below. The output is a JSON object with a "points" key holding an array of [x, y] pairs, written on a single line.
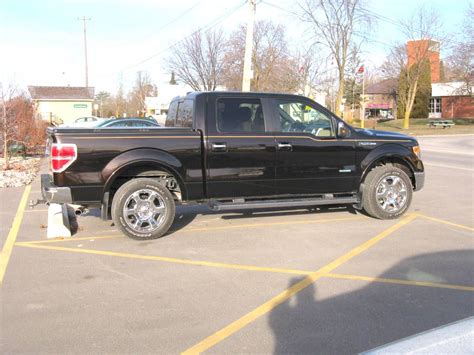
{"points": [[84, 19], [248, 73]]}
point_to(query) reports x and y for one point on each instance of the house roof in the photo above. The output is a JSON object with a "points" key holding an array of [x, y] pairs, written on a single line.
{"points": [[61, 92], [387, 87]]}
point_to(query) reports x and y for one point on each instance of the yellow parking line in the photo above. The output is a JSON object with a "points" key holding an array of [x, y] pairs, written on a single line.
{"points": [[247, 267], [166, 259], [208, 229], [462, 226], [68, 239], [400, 282], [12, 234], [291, 291]]}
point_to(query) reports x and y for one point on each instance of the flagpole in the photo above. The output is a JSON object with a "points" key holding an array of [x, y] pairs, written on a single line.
{"points": [[362, 119]]}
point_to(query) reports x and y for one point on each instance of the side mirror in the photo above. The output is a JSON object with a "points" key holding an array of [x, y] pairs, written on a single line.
{"points": [[342, 131]]}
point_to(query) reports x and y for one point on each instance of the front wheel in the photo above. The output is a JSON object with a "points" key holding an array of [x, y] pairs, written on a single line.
{"points": [[387, 192], [143, 209]]}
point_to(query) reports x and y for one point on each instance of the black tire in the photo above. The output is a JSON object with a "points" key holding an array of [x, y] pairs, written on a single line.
{"points": [[160, 194], [372, 204]]}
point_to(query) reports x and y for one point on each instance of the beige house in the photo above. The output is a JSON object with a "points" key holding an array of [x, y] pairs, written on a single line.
{"points": [[61, 104]]}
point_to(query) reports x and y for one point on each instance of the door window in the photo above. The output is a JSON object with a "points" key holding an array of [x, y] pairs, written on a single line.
{"points": [[240, 115], [297, 116]]}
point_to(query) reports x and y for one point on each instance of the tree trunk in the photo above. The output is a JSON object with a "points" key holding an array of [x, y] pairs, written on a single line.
{"points": [[6, 163], [340, 93], [409, 105]]}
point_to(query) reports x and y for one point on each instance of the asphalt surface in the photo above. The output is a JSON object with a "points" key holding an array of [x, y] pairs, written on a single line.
{"points": [[378, 281]]}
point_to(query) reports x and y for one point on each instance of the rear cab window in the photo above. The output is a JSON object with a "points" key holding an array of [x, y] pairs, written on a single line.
{"points": [[180, 114]]}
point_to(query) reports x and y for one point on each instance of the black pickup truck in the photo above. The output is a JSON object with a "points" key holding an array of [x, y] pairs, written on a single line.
{"points": [[234, 151]]}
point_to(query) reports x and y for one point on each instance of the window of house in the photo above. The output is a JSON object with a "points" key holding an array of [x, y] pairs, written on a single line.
{"points": [[435, 105], [299, 117], [240, 115]]}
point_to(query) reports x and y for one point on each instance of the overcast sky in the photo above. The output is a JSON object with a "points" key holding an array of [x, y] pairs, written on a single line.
{"points": [[41, 42]]}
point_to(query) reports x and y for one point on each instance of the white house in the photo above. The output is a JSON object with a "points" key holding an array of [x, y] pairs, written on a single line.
{"points": [[61, 104]]}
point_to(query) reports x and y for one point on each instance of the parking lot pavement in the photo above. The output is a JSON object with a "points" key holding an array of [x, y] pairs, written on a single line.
{"points": [[292, 281]]}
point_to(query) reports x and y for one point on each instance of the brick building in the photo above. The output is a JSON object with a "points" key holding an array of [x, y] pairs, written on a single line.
{"points": [[381, 99], [451, 100], [425, 49]]}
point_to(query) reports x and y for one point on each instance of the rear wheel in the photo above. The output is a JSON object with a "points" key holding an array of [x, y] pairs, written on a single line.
{"points": [[143, 209], [387, 192]]}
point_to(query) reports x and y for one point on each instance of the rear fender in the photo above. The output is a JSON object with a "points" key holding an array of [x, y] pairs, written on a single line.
{"points": [[157, 159]]}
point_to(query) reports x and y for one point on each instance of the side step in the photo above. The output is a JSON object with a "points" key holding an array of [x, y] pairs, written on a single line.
{"points": [[302, 202]]}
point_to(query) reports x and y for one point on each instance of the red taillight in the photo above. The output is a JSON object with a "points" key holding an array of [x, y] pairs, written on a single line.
{"points": [[62, 156]]}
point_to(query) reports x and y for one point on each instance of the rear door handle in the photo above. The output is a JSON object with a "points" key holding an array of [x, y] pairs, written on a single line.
{"points": [[285, 146], [219, 147]]}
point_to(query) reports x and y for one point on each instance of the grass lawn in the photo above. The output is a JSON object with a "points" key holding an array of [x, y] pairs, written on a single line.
{"points": [[418, 127]]}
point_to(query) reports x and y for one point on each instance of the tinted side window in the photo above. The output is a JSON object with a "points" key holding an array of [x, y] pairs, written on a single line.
{"points": [[185, 114], [299, 117], [171, 116], [240, 115]]}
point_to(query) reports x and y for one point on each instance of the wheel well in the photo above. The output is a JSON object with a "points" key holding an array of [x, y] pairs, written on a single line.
{"points": [[395, 161], [165, 177]]}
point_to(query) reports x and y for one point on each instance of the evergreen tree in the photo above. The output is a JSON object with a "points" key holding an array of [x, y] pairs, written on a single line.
{"points": [[402, 94], [421, 106]]}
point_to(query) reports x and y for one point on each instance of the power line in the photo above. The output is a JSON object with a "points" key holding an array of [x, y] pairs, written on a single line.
{"points": [[167, 24], [206, 27]]}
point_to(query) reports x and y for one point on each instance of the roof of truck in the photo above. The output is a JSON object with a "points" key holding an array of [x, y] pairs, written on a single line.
{"points": [[193, 94]]}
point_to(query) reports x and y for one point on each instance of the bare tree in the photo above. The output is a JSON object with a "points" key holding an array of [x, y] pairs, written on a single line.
{"points": [[334, 23], [143, 87], [461, 60], [102, 98], [273, 66], [411, 61], [198, 60]]}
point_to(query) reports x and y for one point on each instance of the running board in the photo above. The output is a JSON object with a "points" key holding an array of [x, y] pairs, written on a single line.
{"points": [[256, 204]]}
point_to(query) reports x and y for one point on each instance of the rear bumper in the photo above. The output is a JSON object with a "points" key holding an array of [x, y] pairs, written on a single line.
{"points": [[419, 180], [52, 193]]}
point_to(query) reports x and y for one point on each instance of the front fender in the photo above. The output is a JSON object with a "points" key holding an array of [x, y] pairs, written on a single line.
{"points": [[391, 150]]}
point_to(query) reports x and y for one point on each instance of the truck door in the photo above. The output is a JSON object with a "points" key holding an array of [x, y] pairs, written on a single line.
{"points": [[240, 150], [310, 159]]}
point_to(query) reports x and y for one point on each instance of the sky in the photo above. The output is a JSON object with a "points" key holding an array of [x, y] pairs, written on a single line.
{"points": [[41, 41]]}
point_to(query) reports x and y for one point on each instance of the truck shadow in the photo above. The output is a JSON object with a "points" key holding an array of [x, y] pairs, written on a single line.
{"points": [[378, 313], [186, 214]]}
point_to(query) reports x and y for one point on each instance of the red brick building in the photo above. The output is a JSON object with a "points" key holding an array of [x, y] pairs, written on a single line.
{"points": [[451, 100], [448, 99], [425, 49]]}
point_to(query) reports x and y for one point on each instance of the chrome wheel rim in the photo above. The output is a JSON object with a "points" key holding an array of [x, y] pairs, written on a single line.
{"points": [[144, 211], [391, 193]]}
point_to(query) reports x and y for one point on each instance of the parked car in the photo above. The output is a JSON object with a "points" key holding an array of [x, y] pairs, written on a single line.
{"points": [[232, 151], [87, 119], [128, 122]]}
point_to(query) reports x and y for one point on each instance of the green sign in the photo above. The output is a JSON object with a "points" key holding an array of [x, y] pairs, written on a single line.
{"points": [[80, 105]]}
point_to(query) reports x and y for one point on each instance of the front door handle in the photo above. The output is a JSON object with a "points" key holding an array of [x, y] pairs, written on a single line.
{"points": [[285, 146], [219, 147]]}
